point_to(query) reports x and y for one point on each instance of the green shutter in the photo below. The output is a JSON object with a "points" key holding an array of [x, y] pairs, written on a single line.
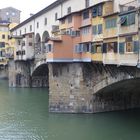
{"points": [[136, 46], [94, 30], [121, 47], [93, 49], [131, 18]]}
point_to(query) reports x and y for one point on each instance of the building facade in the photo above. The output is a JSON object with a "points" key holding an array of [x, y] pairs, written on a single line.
{"points": [[93, 29], [10, 14]]}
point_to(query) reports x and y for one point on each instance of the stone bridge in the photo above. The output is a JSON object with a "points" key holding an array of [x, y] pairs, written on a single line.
{"points": [[81, 87]]}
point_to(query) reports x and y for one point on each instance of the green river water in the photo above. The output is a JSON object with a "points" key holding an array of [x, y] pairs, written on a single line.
{"points": [[24, 116]]}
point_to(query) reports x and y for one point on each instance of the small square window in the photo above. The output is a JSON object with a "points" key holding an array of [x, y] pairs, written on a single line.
{"points": [[56, 16], [3, 36], [37, 25], [45, 21]]}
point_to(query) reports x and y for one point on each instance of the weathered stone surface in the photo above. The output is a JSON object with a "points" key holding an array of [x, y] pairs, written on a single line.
{"points": [[73, 87], [19, 74], [80, 87]]}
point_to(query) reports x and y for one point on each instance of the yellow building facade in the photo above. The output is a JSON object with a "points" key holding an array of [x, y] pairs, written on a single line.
{"points": [[6, 44]]}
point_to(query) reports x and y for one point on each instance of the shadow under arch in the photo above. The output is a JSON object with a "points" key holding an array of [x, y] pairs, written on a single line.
{"points": [[45, 36], [122, 95], [45, 39], [40, 76]]}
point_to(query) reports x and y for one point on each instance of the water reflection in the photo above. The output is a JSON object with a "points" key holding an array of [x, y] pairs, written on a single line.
{"points": [[24, 116]]}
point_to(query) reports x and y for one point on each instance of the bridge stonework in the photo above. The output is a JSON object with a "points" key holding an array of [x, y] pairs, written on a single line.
{"points": [[79, 87], [74, 87]]}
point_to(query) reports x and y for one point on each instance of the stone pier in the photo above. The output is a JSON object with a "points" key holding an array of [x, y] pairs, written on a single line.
{"points": [[79, 88]]}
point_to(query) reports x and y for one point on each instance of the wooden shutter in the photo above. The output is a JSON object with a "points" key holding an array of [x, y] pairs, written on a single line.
{"points": [[115, 47], [104, 47], [121, 47], [136, 46]]}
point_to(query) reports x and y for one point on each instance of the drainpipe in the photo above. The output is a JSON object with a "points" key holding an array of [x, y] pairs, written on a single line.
{"points": [[138, 62], [118, 51]]}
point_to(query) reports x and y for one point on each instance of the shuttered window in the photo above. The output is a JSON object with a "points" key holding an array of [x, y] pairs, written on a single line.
{"points": [[97, 11], [86, 14], [121, 47], [94, 30], [105, 48], [100, 29], [136, 46], [127, 20], [115, 47], [111, 23], [97, 29]]}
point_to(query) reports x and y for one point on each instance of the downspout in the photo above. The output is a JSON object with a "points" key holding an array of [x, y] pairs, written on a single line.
{"points": [[138, 62]]}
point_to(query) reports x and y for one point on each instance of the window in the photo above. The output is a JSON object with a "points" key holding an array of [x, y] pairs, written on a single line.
{"points": [[45, 21], [30, 43], [25, 30], [121, 47], [23, 52], [30, 35], [37, 24], [136, 46], [3, 36], [2, 44], [129, 44], [112, 47], [96, 48], [111, 23], [127, 20], [49, 48], [129, 47], [86, 3], [69, 10], [23, 43], [30, 28], [78, 48], [56, 16], [70, 19], [86, 14], [20, 32], [94, 30], [100, 29], [85, 31], [97, 11], [19, 42], [97, 29], [86, 47], [63, 21]]}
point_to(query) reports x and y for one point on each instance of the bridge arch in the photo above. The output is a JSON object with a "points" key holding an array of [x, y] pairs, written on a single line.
{"points": [[121, 95], [40, 76], [45, 36], [37, 44]]}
